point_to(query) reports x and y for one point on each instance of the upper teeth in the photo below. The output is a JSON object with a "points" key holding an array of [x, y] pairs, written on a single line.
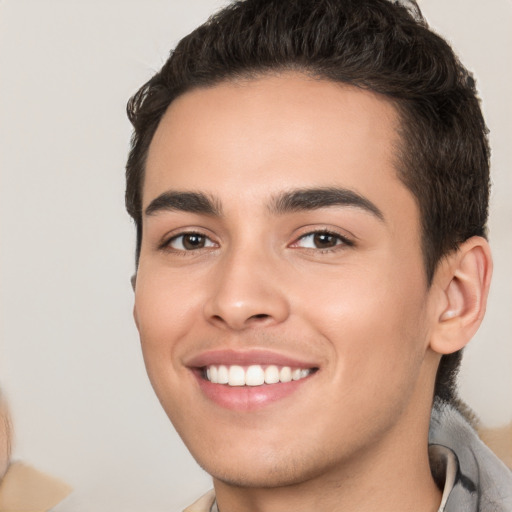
{"points": [[254, 375]]}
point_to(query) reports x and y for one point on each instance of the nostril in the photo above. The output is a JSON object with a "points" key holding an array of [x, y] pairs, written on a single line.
{"points": [[260, 319], [241, 322]]}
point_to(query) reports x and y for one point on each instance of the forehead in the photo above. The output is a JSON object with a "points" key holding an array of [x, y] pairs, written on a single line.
{"points": [[241, 139]]}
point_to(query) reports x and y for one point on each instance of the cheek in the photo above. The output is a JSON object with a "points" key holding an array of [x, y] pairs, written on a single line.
{"points": [[165, 310], [375, 327], [164, 317]]}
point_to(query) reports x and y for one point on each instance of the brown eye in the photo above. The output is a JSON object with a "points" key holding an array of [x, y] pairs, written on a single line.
{"points": [[322, 240], [190, 242], [193, 241], [325, 240]]}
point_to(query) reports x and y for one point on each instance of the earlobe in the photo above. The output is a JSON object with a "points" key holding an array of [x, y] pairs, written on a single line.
{"points": [[464, 278], [133, 281], [135, 317]]}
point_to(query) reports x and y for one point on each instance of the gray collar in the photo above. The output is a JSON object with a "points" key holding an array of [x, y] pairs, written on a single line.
{"points": [[482, 482]]}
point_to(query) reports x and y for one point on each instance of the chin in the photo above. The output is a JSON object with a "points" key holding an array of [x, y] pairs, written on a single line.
{"points": [[265, 468], [267, 477]]}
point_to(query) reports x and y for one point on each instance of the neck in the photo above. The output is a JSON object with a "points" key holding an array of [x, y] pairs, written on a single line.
{"points": [[405, 490]]}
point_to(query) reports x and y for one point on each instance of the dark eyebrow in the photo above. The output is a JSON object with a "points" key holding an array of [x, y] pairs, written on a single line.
{"points": [[316, 198], [193, 202]]}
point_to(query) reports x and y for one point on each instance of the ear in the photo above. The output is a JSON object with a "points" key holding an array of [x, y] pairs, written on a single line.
{"points": [[462, 281], [133, 281], [135, 317]]}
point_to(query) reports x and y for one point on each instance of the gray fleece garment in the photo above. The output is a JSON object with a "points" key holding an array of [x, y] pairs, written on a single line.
{"points": [[482, 483]]}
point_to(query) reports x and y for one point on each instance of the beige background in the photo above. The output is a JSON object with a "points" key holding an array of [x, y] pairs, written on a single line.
{"points": [[69, 356]]}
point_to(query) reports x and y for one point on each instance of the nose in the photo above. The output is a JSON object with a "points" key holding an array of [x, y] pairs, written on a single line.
{"points": [[246, 293]]}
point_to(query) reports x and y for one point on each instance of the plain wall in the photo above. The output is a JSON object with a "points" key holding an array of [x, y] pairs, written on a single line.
{"points": [[70, 361]]}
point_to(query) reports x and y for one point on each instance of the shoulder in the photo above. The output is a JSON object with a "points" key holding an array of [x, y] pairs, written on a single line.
{"points": [[45, 490], [483, 482]]}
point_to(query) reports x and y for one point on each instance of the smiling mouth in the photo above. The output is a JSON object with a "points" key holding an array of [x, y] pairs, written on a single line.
{"points": [[253, 375]]}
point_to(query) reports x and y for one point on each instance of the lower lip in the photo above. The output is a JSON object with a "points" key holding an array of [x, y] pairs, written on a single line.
{"points": [[247, 398]]}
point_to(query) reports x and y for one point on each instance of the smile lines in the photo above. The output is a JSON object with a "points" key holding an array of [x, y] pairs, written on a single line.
{"points": [[254, 375]]}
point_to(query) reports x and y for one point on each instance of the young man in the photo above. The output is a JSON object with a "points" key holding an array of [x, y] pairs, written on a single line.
{"points": [[309, 180]]}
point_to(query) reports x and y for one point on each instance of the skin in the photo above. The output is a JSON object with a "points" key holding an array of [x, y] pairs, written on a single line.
{"points": [[354, 435], [5, 436]]}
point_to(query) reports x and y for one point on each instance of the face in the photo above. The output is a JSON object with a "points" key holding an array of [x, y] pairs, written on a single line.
{"points": [[281, 296]]}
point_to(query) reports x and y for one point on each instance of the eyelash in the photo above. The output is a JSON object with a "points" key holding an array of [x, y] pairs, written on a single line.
{"points": [[344, 241], [166, 245]]}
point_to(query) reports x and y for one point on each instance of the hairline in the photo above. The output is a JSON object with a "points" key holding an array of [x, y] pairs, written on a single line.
{"points": [[400, 146]]}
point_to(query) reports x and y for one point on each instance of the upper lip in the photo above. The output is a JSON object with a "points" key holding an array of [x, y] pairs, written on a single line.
{"points": [[246, 358]]}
